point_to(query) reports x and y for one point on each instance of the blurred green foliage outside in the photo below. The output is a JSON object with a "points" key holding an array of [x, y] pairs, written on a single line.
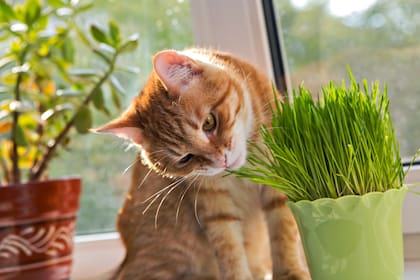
{"points": [[378, 39], [99, 159]]}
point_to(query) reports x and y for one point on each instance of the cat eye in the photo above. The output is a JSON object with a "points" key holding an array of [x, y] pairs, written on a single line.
{"points": [[209, 123], [185, 159]]}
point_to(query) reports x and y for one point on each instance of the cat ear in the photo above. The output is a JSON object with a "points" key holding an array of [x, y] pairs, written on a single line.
{"points": [[124, 128], [176, 71]]}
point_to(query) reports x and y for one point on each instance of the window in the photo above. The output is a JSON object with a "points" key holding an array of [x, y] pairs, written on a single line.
{"points": [[212, 24], [101, 160], [378, 39]]}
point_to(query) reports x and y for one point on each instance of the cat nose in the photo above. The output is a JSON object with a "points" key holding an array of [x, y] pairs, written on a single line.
{"points": [[220, 161]]}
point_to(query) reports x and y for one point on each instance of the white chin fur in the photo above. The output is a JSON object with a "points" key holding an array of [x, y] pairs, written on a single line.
{"points": [[209, 171], [237, 162]]}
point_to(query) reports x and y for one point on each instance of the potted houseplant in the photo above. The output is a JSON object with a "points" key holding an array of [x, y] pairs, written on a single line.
{"points": [[337, 159], [44, 100]]}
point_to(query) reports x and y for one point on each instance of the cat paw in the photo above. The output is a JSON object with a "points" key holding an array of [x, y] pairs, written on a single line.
{"points": [[293, 275]]}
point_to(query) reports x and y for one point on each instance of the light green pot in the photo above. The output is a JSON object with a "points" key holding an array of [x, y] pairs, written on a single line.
{"points": [[353, 237]]}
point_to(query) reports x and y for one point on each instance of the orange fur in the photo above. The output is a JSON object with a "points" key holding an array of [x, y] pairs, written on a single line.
{"points": [[194, 222]]}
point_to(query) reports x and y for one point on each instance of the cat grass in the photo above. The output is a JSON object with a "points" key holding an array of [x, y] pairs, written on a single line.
{"points": [[342, 143]]}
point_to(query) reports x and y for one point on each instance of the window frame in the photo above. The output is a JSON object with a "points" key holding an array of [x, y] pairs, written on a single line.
{"points": [[214, 22]]}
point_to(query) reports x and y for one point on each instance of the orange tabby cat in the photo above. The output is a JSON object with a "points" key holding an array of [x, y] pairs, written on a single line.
{"points": [[187, 220]]}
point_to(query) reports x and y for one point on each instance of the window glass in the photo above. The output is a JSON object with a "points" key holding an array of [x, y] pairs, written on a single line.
{"points": [[101, 160], [378, 39]]}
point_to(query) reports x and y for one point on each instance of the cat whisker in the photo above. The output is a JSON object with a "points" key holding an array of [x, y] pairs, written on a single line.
{"points": [[144, 178], [131, 165], [193, 180], [159, 192], [139, 159], [178, 182], [195, 204], [151, 203]]}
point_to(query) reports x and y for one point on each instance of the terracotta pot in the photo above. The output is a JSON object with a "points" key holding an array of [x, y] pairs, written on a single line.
{"points": [[37, 225]]}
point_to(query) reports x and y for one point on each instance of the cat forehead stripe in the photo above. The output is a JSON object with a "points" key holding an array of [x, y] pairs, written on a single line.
{"points": [[225, 95]]}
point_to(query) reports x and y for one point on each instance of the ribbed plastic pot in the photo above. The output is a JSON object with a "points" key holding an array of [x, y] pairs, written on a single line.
{"points": [[353, 237]]}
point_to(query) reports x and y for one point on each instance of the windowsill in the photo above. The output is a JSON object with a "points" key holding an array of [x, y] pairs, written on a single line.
{"points": [[97, 255]]}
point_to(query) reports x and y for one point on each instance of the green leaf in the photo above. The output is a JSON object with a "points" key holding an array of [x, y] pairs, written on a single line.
{"points": [[115, 83], [4, 89], [65, 12], [67, 50], [102, 55], [105, 48], [5, 104], [19, 12], [130, 45], [83, 120], [64, 107], [56, 3], [83, 8], [61, 65], [84, 72], [82, 36], [43, 50], [114, 32], [98, 99], [128, 69], [7, 12], [47, 114], [56, 110], [42, 24], [32, 10], [5, 62], [20, 137], [99, 35], [116, 99], [68, 93], [9, 79], [4, 35]]}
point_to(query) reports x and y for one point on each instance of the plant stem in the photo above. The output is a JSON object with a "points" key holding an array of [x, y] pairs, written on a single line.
{"points": [[15, 156], [5, 170], [39, 131], [16, 174], [38, 171]]}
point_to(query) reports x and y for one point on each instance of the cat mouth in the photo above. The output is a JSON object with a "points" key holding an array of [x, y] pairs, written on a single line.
{"points": [[233, 165]]}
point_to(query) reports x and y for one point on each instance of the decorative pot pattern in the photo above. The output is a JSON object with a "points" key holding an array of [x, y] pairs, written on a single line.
{"points": [[32, 240], [37, 225]]}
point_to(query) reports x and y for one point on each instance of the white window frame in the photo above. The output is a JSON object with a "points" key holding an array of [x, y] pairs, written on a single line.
{"points": [[236, 26]]}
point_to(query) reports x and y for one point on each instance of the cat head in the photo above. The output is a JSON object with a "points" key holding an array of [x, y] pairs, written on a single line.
{"points": [[191, 117]]}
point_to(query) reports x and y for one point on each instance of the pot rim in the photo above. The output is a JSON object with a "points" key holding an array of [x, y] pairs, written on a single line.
{"points": [[50, 181], [324, 200]]}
